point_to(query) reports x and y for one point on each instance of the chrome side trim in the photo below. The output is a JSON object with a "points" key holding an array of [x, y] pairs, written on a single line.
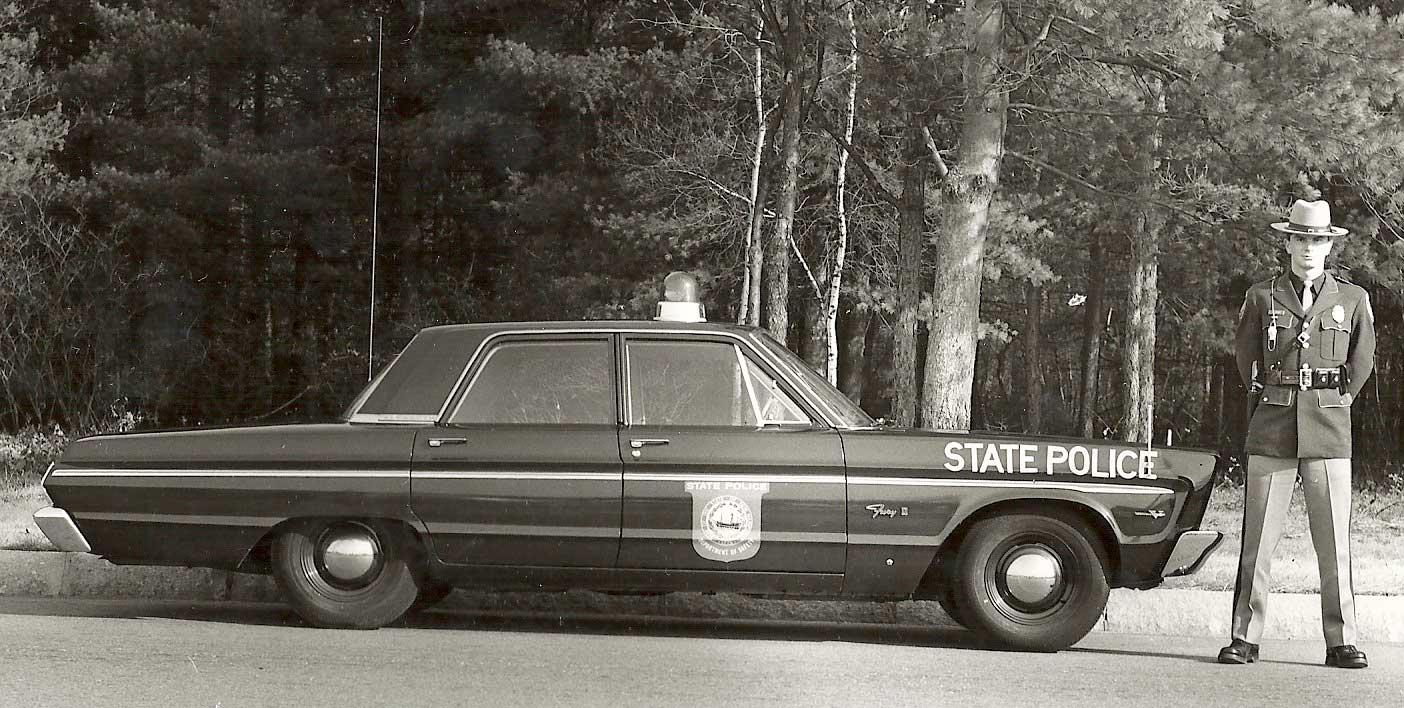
{"points": [[193, 519], [58, 526], [524, 530], [887, 539], [393, 419], [525, 476], [1190, 552], [1012, 484], [92, 472], [777, 479], [778, 536]]}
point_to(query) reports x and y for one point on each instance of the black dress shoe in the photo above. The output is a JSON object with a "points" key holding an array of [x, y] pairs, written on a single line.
{"points": [[1239, 652], [1346, 656]]}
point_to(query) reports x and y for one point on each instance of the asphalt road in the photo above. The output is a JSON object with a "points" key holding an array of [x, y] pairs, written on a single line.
{"points": [[133, 653]]}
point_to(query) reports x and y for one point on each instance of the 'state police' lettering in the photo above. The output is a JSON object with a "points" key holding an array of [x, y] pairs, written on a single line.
{"points": [[1027, 458]]}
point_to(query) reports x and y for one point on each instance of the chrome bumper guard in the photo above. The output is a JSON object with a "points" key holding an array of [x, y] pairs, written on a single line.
{"points": [[59, 527], [1190, 552]]}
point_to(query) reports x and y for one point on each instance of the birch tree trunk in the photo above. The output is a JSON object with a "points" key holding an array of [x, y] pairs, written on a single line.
{"points": [[755, 258], [966, 194], [841, 248]]}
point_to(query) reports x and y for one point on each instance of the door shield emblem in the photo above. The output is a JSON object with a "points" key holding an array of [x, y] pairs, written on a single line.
{"points": [[726, 519]]}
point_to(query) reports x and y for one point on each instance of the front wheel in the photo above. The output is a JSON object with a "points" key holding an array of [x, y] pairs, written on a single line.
{"points": [[346, 573], [1031, 582]]}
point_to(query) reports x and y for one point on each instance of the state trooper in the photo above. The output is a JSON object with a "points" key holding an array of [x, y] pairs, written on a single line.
{"points": [[1305, 346]]}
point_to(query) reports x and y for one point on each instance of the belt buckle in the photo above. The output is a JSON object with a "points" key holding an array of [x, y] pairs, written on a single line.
{"points": [[1304, 377]]}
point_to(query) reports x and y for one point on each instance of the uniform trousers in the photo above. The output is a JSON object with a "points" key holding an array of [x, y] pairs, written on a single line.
{"points": [[1326, 486]]}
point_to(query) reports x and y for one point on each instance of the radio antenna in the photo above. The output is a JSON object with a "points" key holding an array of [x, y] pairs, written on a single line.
{"points": [[375, 196]]}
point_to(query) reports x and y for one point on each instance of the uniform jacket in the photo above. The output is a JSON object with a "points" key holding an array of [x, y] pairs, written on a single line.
{"points": [[1340, 330]]}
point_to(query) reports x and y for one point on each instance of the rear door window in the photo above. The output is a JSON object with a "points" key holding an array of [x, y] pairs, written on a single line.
{"points": [[567, 382]]}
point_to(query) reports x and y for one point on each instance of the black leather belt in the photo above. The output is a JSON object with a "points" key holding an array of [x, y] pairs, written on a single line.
{"points": [[1312, 378]]}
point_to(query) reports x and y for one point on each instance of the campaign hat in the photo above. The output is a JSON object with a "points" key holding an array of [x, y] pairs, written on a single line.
{"points": [[1310, 219]]}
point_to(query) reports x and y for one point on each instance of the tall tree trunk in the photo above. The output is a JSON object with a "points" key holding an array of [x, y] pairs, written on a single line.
{"points": [[1138, 382], [1093, 325], [777, 252], [1138, 348], [877, 392], [815, 347], [966, 194], [755, 258], [840, 187], [262, 291], [859, 315], [1033, 360], [911, 234], [219, 291]]}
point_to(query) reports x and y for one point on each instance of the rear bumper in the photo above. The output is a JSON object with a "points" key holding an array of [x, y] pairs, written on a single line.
{"points": [[1191, 549], [59, 527]]}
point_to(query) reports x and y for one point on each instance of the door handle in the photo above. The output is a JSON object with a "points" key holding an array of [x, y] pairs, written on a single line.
{"points": [[637, 443], [440, 442]]}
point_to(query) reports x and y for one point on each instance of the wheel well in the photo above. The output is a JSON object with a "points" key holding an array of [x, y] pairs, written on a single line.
{"points": [[259, 558], [1104, 541]]}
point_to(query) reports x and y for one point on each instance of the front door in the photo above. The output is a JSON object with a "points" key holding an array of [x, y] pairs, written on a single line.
{"points": [[525, 469], [723, 469]]}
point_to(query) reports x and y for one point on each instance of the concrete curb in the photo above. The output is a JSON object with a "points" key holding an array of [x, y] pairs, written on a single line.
{"points": [[1170, 612]]}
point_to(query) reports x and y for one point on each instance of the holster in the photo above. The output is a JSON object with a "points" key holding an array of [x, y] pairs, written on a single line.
{"points": [[1255, 392]]}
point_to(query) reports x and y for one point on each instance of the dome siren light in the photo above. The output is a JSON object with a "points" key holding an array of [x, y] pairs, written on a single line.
{"points": [[680, 302]]}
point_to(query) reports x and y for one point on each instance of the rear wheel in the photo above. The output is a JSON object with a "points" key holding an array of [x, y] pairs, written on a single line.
{"points": [[347, 573], [1029, 581]]}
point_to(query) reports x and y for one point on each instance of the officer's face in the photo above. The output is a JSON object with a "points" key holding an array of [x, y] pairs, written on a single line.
{"points": [[1309, 252]]}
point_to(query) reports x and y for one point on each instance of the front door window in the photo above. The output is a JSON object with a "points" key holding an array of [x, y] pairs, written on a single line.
{"points": [[704, 383]]}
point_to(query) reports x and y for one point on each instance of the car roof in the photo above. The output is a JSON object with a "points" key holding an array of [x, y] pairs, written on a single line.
{"points": [[427, 370], [592, 325]]}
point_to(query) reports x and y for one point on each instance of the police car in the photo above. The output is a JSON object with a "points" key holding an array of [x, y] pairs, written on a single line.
{"points": [[638, 456]]}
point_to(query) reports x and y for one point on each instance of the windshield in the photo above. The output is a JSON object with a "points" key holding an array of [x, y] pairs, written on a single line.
{"points": [[846, 413]]}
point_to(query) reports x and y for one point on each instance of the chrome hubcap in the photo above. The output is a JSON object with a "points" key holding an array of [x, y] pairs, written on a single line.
{"points": [[349, 554], [1033, 575]]}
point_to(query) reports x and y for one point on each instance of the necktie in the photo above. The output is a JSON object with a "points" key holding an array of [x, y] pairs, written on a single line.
{"points": [[1306, 295]]}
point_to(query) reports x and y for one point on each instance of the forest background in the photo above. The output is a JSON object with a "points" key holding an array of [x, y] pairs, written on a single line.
{"points": [[1030, 215]]}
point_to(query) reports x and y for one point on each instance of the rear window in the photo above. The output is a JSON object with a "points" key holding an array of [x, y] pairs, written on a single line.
{"points": [[423, 376]]}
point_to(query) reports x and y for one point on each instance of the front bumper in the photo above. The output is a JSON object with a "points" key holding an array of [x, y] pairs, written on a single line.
{"points": [[1191, 549], [59, 527]]}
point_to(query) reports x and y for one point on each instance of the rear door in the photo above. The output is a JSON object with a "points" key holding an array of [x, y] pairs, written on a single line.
{"points": [[724, 469], [525, 469]]}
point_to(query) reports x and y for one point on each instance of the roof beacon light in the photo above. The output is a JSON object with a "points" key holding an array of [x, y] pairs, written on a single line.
{"points": [[680, 302]]}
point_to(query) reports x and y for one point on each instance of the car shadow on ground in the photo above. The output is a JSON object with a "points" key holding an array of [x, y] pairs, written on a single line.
{"points": [[708, 627], [272, 614]]}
